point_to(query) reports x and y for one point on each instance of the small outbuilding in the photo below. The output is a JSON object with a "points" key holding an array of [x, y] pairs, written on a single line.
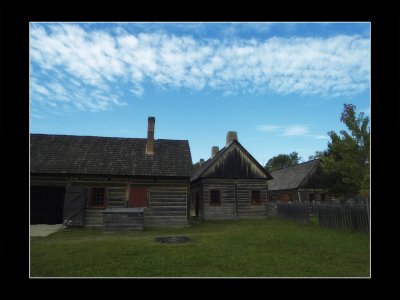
{"points": [[298, 183], [231, 184]]}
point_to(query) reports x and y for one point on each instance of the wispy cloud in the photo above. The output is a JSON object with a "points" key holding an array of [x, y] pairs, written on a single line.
{"points": [[87, 59], [295, 130], [318, 137], [268, 128], [290, 130]]}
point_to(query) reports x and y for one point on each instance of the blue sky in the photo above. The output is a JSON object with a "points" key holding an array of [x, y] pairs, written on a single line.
{"points": [[281, 86]]}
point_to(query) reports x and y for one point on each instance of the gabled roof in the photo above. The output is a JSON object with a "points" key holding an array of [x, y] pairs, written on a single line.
{"points": [[292, 177], [211, 161], [68, 154]]}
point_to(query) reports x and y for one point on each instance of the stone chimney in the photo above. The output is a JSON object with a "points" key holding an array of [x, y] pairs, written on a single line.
{"points": [[150, 136], [214, 150], [230, 136], [201, 161]]}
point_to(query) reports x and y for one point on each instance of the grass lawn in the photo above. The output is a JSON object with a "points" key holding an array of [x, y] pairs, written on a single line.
{"points": [[245, 248]]}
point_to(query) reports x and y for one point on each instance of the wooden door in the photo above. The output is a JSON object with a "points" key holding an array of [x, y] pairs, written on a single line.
{"points": [[138, 197]]}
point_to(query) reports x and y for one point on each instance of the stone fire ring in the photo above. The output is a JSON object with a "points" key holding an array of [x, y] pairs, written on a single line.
{"points": [[172, 239]]}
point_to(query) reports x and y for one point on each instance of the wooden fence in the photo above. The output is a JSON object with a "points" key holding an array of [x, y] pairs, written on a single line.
{"points": [[351, 217], [294, 212], [344, 217]]}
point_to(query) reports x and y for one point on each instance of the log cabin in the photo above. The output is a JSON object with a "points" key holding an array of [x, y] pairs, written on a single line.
{"points": [[300, 183], [231, 184], [124, 183]]}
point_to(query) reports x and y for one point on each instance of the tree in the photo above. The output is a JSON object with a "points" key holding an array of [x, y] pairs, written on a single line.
{"points": [[282, 161], [317, 155], [347, 159]]}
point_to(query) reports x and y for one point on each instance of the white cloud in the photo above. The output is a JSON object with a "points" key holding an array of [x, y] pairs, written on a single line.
{"points": [[318, 137], [268, 128], [295, 130], [329, 67], [290, 130]]}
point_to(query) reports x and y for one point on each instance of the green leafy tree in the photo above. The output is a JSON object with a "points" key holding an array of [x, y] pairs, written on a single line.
{"points": [[346, 161], [282, 161], [317, 155]]}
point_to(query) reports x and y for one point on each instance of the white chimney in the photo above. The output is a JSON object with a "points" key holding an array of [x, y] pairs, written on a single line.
{"points": [[214, 150], [230, 136]]}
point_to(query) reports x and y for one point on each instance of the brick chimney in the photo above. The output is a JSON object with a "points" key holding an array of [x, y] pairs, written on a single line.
{"points": [[150, 136], [214, 150], [230, 136]]}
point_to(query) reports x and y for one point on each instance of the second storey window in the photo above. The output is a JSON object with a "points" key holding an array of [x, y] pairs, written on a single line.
{"points": [[256, 197], [215, 197]]}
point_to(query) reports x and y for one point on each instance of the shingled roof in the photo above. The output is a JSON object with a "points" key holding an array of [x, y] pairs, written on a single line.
{"points": [[292, 177], [68, 154]]}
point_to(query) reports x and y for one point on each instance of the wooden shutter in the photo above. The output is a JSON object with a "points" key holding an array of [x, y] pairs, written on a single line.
{"points": [[138, 197]]}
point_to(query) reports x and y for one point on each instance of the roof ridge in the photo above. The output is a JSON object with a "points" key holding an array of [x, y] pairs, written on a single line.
{"points": [[304, 162], [104, 137]]}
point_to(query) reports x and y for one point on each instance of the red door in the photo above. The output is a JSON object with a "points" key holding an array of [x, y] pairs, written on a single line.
{"points": [[138, 197]]}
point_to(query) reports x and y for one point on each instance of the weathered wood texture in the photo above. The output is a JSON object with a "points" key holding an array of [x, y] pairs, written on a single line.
{"points": [[247, 210], [294, 212], [48, 180], [227, 209], [235, 199], [93, 218], [293, 196], [123, 220], [344, 217], [167, 198], [348, 217], [167, 208], [74, 205], [234, 164]]}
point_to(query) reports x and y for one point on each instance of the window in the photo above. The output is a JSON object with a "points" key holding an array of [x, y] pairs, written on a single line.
{"points": [[323, 197], [271, 198], [256, 198], [98, 197], [215, 197], [311, 197], [285, 198]]}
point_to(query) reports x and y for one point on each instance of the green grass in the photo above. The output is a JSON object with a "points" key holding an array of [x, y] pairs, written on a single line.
{"points": [[245, 248]]}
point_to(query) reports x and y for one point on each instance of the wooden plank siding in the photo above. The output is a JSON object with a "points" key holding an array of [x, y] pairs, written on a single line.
{"points": [[235, 199], [167, 202], [246, 210], [227, 209], [167, 198], [285, 196]]}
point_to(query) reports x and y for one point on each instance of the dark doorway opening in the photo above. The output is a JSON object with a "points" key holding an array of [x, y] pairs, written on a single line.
{"points": [[46, 204]]}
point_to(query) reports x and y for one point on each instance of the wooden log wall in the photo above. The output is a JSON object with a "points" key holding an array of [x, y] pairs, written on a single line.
{"points": [[304, 195], [167, 205], [246, 210], [235, 199], [280, 196], [122, 221], [116, 188], [227, 209]]}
